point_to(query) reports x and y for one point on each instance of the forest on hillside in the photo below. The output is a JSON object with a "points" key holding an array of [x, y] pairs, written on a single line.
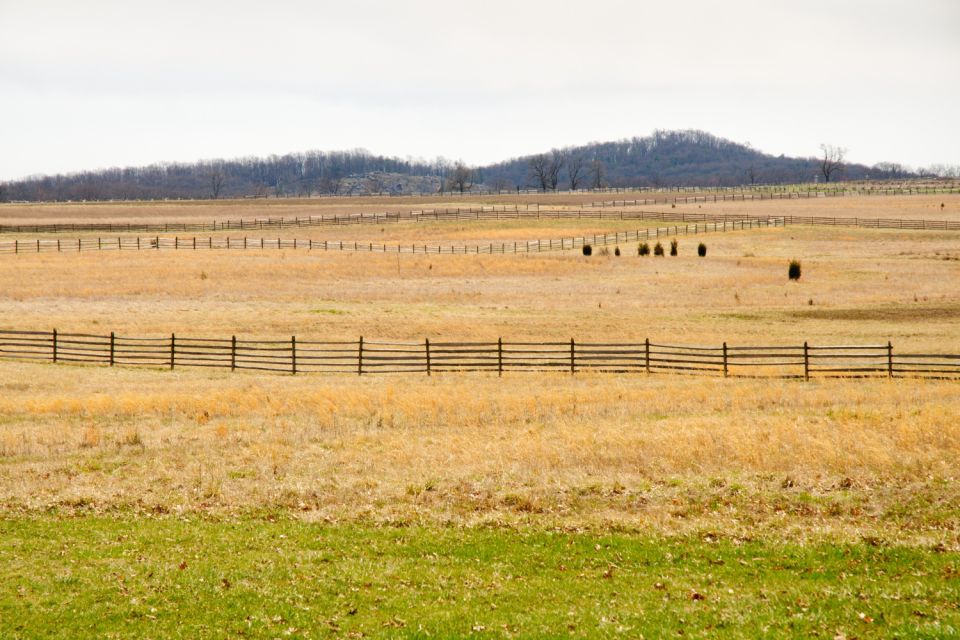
{"points": [[663, 159]]}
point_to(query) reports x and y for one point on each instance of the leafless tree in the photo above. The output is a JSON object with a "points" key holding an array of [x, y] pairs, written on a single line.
{"points": [[553, 169], [331, 184], [539, 170], [832, 162], [217, 179], [376, 183], [575, 171], [460, 178], [597, 172], [3, 192], [752, 173], [501, 184]]}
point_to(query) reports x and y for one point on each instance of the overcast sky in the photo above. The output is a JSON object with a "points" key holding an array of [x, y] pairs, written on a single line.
{"points": [[90, 84]]}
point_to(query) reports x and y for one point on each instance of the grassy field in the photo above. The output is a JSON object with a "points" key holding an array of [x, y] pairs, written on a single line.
{"points": [[193, 503], [267, 577]]}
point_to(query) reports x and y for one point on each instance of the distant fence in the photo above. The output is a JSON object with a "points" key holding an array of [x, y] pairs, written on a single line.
{"points": [[261, 223], [749, 196], [359, 357], [137, 243], [529, 212]]}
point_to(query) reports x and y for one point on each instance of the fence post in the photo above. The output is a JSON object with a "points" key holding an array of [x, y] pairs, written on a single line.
{"points": [[233, 353], [54, 345], [889, 359], [426, 346], [725, 360], [573, 366], [806, 361], [113, 346], [500, 356], [293, 354], [173, 349], [360, 358], [646, 356]]}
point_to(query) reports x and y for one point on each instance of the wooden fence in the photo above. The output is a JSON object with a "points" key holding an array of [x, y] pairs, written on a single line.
{"points": [[137, 243], [359, 357], [749, 196], [262, 223], [531, 212]]}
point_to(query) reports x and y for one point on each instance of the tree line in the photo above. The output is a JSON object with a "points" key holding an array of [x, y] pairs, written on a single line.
{"points": [[663, 159]]}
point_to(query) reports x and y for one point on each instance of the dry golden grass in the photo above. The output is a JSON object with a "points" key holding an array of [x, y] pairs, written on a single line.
{"points": [[209, 210], [896, 285], [919, 206], [844, 458], [913, 206], [662, 451]]}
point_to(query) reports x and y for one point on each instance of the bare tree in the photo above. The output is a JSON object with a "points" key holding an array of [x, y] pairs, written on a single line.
{"points": [[501, 184], [3, 192], [752, 173], [553, 169], [575, 171], [597, 173], [376, 183], [539, 170], [217, 179], [832, 162], [460, 178], [331, 184]]}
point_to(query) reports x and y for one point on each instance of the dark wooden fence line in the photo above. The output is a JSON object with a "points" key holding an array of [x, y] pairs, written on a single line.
{"points": [[176, 243], [259, 223], [749, 196], [842, 189], [363, 357], [531, 212]]}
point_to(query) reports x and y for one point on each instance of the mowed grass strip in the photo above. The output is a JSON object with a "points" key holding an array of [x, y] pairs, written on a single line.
{"points": [[276, 577]]}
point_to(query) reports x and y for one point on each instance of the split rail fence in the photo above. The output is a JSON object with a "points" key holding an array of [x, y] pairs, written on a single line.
{"points": [[531, 212], [749, 196], [137, 243], [360, 357]]}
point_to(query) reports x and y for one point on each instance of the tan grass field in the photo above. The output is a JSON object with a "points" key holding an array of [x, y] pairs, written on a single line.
{"points": [[844, 458], [910, 206]]}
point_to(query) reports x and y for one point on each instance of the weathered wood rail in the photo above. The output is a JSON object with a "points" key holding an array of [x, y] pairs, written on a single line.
{"points": [[296, 355], [528, 213], [177, 243]]}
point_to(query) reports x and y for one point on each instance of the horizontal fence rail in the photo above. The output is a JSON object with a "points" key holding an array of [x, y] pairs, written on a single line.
{"points": [[594, 211], [260, 223], [845, 189], [359, 357], [763, 194], [139, 243]]}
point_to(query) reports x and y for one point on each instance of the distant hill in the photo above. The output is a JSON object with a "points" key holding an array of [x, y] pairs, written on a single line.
{"points": [[678, 158], [665, 158]]}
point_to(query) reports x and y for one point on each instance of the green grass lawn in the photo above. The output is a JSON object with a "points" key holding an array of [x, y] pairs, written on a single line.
{"points": [[191, 578]]}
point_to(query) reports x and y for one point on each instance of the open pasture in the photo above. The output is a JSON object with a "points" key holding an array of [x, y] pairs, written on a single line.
{"points": [[744, 492]]}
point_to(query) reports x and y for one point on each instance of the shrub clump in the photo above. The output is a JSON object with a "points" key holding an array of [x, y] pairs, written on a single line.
{"points": [[658, 249], [643, 249], [673, 247], [793, 271], [587, 250], [616, 251], [702, 250]]}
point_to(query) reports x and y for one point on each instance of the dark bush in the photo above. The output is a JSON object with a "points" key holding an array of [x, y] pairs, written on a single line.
{"points": [[658, 249], [643, 249], [702, 250], [793, 271], [616, 252], [673, 247], [587, 250]]}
